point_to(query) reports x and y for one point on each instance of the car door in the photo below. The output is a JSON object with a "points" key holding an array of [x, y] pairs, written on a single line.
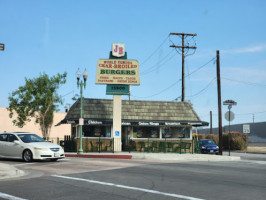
{"points": [[14, 149], [3, 144]]}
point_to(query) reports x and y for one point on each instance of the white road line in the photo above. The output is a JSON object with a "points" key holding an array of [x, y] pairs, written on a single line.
{"points": [[23, 164], [129, 187], [10, 197]]}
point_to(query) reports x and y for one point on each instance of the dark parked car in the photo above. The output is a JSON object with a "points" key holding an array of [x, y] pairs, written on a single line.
{"points": [[208, 146]]}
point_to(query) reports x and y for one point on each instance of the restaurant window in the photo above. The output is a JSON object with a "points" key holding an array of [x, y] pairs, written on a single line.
{"points": [[74, 132], [176, 132], [97, 131], [146, 132]]}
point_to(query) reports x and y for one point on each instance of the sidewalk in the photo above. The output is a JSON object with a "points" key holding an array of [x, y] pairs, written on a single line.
{"points": [[156, 156], [9, 171], [253, 149]]}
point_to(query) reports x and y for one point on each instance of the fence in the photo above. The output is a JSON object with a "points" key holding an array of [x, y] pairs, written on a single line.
{"points": [[148, 145], [69, 144], [97, 145], [164, 146]]}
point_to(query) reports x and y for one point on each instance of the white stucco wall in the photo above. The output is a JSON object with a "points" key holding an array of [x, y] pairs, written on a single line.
{"points": [[6, 124]]}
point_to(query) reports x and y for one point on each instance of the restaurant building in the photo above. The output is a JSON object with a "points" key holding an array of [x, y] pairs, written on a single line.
{"points": [[141, 120]]}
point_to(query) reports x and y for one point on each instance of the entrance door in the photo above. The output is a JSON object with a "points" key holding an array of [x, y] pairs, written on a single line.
{"points": [[125, 131]]}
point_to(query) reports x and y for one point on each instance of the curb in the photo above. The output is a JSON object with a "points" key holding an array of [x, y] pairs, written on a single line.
{"points": [[158, 156], [99, 156]]}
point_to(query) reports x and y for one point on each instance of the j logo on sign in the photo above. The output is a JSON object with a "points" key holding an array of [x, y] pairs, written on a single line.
{"points": [[118, 49]]}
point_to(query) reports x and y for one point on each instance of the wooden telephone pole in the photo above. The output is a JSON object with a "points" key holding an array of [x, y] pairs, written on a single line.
{"points": [[183, 47], [219, 103], [211, 122]]}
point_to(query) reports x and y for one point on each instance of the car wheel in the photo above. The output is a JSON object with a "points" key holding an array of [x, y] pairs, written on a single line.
{"points": [[53, 160], [27, 156]]}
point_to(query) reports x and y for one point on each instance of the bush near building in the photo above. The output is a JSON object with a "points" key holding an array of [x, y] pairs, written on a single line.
{"points": [[238, 140]]}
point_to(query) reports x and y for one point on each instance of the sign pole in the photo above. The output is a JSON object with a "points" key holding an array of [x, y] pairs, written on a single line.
{"points": [[229, 134], [229, 116], [118, 73], [117, 120], [117, 101]]}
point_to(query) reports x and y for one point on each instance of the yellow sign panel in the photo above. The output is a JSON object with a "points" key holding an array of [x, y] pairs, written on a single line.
{"points": [[112, 71]]}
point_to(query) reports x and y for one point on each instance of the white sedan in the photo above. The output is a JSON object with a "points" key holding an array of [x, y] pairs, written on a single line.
{"points": [[28, 146]]}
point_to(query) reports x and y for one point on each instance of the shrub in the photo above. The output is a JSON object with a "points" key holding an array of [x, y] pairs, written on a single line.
{"points": [[200, 136], [238, 140], [213, 137], [238, 143]]}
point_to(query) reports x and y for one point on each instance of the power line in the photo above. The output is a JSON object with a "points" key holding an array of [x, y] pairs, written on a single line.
{"points": [[214, 58], [155, 51], [241, 114], [244, 82], [160, 91], [68, 93], [205, 88], [159, 65], [252, 113], [180, 80]]}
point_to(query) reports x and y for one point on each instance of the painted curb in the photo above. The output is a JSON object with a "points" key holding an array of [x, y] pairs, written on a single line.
{"points": [[99, 156]]}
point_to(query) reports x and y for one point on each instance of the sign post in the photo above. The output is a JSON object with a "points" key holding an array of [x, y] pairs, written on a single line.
{"points": [[246, 128], [117, 73], [229, 116]]}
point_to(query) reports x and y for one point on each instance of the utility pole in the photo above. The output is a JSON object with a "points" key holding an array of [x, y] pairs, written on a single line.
{"points": [[219, 103], [253, 118], [183, 47], [210, 122]]}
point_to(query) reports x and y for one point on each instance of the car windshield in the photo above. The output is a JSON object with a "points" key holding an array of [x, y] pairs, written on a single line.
{"points": [[208, 142], [28, 138]]}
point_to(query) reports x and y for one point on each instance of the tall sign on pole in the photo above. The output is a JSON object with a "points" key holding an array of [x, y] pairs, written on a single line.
{"points": [[229, 116], [118, 73]]}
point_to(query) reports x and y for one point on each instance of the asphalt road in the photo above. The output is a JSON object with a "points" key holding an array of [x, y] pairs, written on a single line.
{"points": [[79, 178]]}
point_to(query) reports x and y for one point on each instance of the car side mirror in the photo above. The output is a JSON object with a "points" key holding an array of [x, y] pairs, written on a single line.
{"points": [[16, 142]]}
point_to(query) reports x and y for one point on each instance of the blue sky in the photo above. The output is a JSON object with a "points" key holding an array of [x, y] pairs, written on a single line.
{"points": [[55, 36]]}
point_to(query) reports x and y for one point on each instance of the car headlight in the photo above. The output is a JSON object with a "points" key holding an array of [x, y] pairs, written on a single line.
{"points": [[217, 147], [203, 147]]}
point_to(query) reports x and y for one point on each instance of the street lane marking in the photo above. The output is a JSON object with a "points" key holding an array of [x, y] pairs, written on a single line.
{"points": [[128, 187], [24, 164], [10, 197]]}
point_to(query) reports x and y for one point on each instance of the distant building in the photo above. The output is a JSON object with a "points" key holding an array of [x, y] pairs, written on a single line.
{"points": [[256, 131], [57, 132]]}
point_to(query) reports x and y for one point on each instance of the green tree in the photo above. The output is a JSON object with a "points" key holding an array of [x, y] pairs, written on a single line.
{"points": [[37, 99]]}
